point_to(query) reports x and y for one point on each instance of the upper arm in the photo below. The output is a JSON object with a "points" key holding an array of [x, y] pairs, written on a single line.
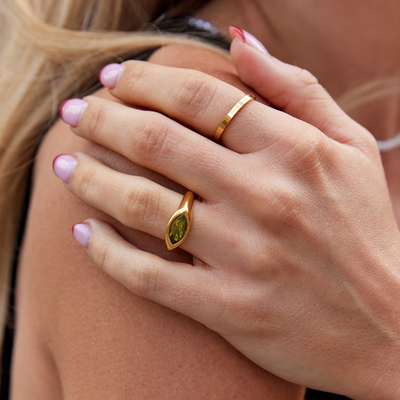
{"points": [[100, 340]]}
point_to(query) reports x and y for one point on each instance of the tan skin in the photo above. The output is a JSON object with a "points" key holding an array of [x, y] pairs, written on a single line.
{"points": [[57, 342], [132, 347], [343, 43]]}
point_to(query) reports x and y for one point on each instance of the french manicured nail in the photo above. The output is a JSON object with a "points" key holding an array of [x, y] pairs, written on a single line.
{"points": [[71, 111], [63, 166], [110, 74], [82, 233], [247, 38]]}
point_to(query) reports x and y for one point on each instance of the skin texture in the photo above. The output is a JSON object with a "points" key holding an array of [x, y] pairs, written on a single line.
{"points": [[289, 39], [315, 261], [82, 335], [343, 43]]}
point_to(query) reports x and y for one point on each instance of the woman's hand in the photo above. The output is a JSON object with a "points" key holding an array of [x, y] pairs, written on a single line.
{"points": [[296, 248]]}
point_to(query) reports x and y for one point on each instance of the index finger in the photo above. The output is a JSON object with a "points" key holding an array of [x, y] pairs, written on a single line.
{"points": [[195, 99]]}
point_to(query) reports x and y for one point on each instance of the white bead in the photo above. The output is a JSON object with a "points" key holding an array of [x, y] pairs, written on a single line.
{"points": [[389, 144], [199, 23]]}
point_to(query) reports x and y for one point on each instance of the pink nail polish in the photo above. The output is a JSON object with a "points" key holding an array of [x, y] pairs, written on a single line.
{"points": [[247, 38], [71, 111], [82, 233], [110, 74], [63, 165]]}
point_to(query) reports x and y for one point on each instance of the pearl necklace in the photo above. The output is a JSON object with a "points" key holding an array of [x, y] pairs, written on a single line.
{"points": [[199, 23], [389, 144]]}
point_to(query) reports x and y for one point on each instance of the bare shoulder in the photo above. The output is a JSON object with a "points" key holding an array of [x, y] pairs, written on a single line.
{"points": [[198, 58], [79, 330]]}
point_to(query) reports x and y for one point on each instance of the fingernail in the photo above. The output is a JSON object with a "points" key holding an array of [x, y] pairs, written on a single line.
{"points": [[63, 165], [71, 111], [247, 38], [110, 74], [82, 233]]}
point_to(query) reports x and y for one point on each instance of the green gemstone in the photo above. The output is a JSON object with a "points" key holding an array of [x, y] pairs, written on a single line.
{"points": [[178, 229]]}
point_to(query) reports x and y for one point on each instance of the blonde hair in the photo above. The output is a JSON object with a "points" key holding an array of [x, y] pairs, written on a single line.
{"points": [[370, 92], [53, 52]]}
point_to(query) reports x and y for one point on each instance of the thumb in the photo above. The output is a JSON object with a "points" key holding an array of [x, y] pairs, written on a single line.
{"points": [[293, 90]]}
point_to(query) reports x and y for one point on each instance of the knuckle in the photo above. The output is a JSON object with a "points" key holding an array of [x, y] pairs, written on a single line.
{"points": [[135, 75], [310, 85], [287, 208], [140, 206], [104, 258], [145, 282], [97, 120], [195, 95], [312, 94], [83, 180], [154, 139], [306, 77], [315, 145], [309, 155], [305, 151]]}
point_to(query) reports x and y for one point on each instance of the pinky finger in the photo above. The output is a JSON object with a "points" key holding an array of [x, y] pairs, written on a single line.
{"points": [[179, 286]]}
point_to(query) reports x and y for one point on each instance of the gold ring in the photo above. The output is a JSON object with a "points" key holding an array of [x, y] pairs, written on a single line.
{"points": [[243, 101], [179, 224]]}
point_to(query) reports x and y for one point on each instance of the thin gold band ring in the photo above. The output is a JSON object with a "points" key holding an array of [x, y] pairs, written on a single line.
{"points": [[179, 224], [242, 102]]}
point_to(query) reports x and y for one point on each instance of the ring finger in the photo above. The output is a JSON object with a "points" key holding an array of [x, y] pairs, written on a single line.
{"points": [[139, 204]]}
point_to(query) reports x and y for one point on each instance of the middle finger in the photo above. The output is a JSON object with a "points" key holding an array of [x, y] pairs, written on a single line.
{"points": [[155, 142]]}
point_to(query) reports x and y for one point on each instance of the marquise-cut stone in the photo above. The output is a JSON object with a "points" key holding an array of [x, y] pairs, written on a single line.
{"points": [[178, 229]]}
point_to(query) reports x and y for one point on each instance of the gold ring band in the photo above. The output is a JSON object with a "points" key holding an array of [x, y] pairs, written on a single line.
{"points": [[243, 101], [179, 224]]}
